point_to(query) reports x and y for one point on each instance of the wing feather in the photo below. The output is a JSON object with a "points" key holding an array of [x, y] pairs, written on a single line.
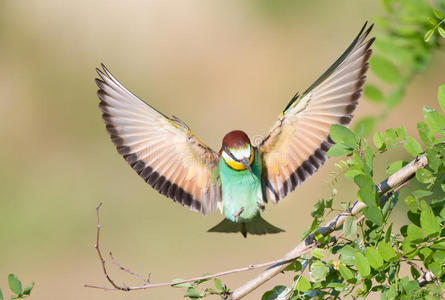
{"points": [[296, 146], [162, 150]]}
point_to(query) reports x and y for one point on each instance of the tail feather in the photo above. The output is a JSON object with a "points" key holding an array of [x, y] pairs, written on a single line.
{"points": [[257, 226]]}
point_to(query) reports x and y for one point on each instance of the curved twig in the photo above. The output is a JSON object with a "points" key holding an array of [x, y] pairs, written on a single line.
{"points": [[146, 283]]}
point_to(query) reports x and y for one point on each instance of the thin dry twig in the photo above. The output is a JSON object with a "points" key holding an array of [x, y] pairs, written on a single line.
{"points": [[146, 283], [129, 271], [97, 247]]}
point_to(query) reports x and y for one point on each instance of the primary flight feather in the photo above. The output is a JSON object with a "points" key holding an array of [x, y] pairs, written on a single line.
{"points": [[241, 177]]}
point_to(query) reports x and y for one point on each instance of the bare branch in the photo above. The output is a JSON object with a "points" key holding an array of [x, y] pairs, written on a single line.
{"points": [[147, 285]]}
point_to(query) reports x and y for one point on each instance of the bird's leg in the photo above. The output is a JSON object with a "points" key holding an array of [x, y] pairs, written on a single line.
{"points": [[237, 215]]}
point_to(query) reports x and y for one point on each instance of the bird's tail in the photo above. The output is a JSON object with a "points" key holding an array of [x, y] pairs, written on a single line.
{"points": [[257, 226]]}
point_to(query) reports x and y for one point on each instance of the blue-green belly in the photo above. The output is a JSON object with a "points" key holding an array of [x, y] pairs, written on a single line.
{"points": [[240, 191]]}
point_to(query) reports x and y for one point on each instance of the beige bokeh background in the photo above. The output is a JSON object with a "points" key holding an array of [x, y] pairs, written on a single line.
{"points": [[218, 65]]}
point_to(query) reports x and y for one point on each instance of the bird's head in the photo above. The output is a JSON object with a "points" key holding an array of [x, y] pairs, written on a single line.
{"points": [[237, 151]]}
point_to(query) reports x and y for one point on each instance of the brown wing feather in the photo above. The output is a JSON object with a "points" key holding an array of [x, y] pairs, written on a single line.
{"points": [[297, 144], [162, 150]]}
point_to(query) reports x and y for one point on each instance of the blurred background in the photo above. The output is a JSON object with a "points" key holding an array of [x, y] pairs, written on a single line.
{"points": [[217, 65]]}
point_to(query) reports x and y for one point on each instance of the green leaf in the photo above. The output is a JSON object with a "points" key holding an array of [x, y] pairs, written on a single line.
{"points": [[401, 132], [434, 158], [388, 234], [373, 214], [346, 273], [379, 141], [15, 285], [365, 182], [374, 258], [276, 293], [28, 289], [425, 133], [386, 251], [438, 13], [391, 136], [337, 286], [347, 255], [395, 166], [441, 31], [367, 285], [439, 256], [294, 266], [412, 146], [428, 221], [318, 209], [428, 35], [373, 93], [303, 285], [367, 196], [362, 265], [349, 227], [434, 119], [384, 69], [435, 268], [432, 21], [213, 292], [342, 135], [441, 97], [318, 253], [425, 176], [414, 233], [318, 271], [422, 193], [181, 285], [409, 286], [218, 284], [338, 150], [193, 293], [319, 238], [1, 294]]}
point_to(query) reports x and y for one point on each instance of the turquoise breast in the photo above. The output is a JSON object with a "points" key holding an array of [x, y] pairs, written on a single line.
{"points": [[240, 191]]}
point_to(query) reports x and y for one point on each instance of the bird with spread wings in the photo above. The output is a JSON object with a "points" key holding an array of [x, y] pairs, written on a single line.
{"points": [[241, 177]]}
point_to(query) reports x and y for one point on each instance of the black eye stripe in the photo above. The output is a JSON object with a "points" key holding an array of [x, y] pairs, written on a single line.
{"points": [[231, 154]]}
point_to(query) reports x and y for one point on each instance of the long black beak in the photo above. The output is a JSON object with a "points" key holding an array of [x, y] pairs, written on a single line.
{"points": [[245, 162]]}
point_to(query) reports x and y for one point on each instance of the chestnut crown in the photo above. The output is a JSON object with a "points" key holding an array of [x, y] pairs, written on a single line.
{"points": [[236, 139]]}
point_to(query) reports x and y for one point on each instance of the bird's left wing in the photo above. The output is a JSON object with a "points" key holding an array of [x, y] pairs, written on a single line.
{"points": [[162, 150], [297, 144]]}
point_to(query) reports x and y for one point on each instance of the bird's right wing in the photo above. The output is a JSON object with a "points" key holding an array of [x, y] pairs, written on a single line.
{"points": [[162, 150]]}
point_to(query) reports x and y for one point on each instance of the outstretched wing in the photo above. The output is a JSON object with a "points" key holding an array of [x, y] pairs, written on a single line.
{"points": [[162, 150], [296, 146]]}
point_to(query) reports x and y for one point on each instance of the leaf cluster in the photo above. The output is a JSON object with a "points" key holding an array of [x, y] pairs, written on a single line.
{"points": [[15, 285], [193, 292], [369, 255], [403, 48]]}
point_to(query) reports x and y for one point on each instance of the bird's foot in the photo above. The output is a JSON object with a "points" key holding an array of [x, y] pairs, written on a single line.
{"points": [[261, 205], [238, 214]]}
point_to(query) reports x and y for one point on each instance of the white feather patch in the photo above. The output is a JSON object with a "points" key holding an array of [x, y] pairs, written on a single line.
{"points": [[240, 154]]}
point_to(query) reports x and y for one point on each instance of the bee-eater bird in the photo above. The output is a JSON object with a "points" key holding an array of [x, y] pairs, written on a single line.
{"points": [[241, 177]]}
